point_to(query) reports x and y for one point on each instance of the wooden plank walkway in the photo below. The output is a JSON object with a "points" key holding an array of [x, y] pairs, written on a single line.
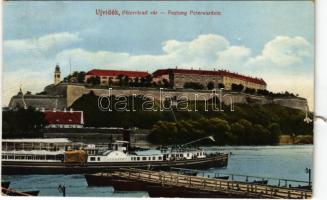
{"points": [[203, 184]]}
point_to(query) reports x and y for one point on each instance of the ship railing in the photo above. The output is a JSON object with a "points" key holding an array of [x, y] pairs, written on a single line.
{"points": [[180, 150]]}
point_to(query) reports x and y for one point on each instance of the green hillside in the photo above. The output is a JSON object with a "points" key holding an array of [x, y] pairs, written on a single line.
{"points": [[248, 124]]}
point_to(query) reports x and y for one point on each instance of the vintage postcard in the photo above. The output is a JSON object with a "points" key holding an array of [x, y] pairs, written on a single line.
{"points": [[195, 99]]}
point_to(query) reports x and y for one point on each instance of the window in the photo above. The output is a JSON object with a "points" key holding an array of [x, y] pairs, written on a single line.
{"points": [[180, 155], [138, 158], [143, 158], [92, 158], [98, 158], [153, 158], [160, 158], [149, 158]]}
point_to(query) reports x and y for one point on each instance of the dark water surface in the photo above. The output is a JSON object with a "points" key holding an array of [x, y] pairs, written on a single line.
{"points": [[285, 162]]}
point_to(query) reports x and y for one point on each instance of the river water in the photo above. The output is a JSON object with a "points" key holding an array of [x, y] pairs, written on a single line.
{"points": [[284, 162]]}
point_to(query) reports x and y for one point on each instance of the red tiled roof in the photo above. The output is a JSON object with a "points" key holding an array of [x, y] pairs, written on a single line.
{"points": [[60, 117], [102, 72], [161, 72]]}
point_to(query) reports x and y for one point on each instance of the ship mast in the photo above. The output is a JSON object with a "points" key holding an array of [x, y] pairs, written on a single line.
{"points": [[23, 100], [208, 137]]}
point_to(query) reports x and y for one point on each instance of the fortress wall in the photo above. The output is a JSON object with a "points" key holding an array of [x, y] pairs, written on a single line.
{"points": [[39, 101], [76, 91], [73, 92], [295, 103], [56, 90]]}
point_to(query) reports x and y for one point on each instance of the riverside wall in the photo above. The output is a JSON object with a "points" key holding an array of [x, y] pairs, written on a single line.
{"points": [[137, 137]]}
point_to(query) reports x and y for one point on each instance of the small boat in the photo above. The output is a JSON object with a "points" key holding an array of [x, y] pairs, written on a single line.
{"points": [[305, 187], [32, 193], [260, 182], [222, 177], [5, 184], [189, 172], [12, 192]]}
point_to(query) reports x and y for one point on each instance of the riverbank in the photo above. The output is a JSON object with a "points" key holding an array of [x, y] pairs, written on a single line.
{"points": [[298, 139], [137, 137]]}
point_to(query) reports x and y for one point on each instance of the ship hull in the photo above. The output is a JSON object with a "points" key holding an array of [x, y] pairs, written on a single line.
{"points": [[16, 167]]}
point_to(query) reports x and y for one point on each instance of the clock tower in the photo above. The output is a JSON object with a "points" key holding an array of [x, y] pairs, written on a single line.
{"points": [[57, 75]]}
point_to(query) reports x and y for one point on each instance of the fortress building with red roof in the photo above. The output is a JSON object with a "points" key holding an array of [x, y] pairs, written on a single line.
{"points": [[107, 76], [178, 77]]}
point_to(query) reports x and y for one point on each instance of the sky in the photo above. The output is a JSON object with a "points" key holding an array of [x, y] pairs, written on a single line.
{"points": [[269, 40]]}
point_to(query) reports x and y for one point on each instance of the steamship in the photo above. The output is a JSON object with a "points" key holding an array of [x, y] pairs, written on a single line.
{"points": [[61, 156]]}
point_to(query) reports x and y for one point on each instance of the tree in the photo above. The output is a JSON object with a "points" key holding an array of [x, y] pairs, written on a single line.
{"points": [[244, 131], [42, 93], [142, 82], [249, 90], [136, 82], [81, 77], [148, 81], [163, 133], [22, 123], [260, 135], [120, 78], [221, 85], [193, 85], [220, 129], [76, 76], [262, 92], [110, 82], [210, 85], [238, 130], [237, 87], [94, 80], [275, 132], [166, 83], [126, 81]]}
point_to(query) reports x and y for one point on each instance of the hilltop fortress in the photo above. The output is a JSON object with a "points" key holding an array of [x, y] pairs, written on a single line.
{"points": [[175, 82]]}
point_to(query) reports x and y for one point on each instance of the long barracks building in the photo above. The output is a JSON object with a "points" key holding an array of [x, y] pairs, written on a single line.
{"points": [[178, 77]]}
